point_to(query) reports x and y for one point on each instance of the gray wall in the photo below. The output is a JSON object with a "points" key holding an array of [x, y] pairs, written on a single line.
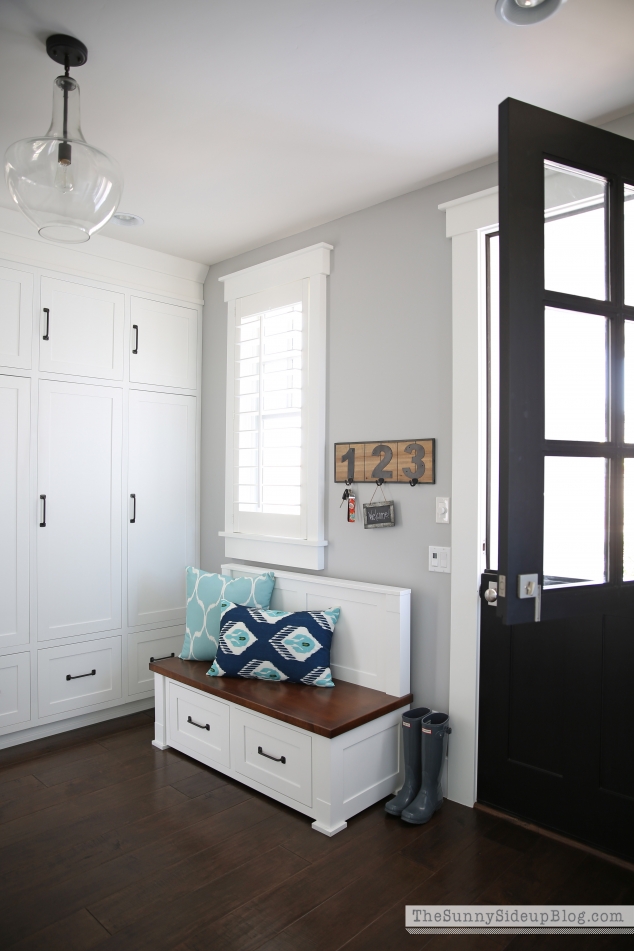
{"points": [[389, 377]]}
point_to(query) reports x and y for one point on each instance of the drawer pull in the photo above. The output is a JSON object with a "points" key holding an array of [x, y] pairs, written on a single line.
{"points": [[135, 349], [153, 660], [48, 317], [201, 726], [276, 759], [43, 522], [79, 676]]}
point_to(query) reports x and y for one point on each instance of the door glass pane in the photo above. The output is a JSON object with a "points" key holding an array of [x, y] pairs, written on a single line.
{"points": [[574, 520], [575, 362], [628, 521], [574, 231], [628, 214], [628, 381]]}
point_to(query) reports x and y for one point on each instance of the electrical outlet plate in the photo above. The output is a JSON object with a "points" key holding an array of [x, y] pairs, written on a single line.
{"points": [[440, 559], [442, 509]]}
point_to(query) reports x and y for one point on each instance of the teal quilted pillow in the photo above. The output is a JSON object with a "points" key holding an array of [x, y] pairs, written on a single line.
{"points": [[205, 592]]}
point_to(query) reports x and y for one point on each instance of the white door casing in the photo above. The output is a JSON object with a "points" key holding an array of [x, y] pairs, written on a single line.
{"points": [[163, 344], [162, 478], [14, 510], [85, 330], [16, 318], [468, 221], [79, 472]]}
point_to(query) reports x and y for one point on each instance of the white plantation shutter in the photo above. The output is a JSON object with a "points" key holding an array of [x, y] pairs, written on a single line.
{"points": [[276, 396], [269, 430]]}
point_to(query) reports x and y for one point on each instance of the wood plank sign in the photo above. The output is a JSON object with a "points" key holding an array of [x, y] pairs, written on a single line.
{"points": [[393, 461]]}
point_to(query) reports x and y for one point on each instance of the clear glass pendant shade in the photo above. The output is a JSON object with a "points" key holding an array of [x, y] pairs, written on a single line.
{"points": [[67, 188]]}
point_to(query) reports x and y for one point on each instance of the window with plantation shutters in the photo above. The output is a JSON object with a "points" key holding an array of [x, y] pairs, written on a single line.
{"points": [[276, 411]]}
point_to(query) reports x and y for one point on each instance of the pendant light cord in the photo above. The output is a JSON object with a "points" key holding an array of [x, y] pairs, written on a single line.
{"points": [[66, 74]]}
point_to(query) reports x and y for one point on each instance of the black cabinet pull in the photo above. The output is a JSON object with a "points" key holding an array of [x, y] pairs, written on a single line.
{"points": [[79, 676], [133, 497], [43, 522], [153, 660], [201, 726], [135, 327], [46, 311], [276, 759]]}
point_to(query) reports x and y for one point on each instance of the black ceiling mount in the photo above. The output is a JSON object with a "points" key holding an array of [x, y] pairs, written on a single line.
{"points": [[66, 50]]}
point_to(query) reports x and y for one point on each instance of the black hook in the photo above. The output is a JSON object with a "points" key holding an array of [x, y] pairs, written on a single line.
{"points": [[380, 481], [413, 481], [348, 481]]}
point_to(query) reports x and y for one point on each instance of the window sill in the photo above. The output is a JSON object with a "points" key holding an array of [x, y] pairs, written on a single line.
{"points": [[291, 552]]}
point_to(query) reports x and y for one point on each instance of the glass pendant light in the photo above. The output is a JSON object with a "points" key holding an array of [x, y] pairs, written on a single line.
{"points": [[67, 188], [526, 12]]}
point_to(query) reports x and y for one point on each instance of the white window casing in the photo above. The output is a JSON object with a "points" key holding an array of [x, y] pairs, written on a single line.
{"points": [[276, 410]]}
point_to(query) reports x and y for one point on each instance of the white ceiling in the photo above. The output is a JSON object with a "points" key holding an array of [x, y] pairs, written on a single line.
{"points": [[240, 121]]}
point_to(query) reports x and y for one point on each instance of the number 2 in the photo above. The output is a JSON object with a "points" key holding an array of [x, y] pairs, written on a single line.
{"points": [[379, 470]]}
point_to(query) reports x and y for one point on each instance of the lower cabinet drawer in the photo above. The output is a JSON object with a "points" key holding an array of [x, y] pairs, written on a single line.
{"points": [[145, 646], [78, 675], [198, 724], [272, 754], [15, 689]]}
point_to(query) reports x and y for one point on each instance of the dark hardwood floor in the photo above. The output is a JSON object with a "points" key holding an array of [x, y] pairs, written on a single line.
{"points": [[108, 843]]}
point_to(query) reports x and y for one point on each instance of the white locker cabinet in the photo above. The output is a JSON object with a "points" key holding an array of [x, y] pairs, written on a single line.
{"points": [[16, 317], [15, 689], [147, 646], [81, 330], [161, 505], [163, 344], [79, 509], [78, 675], [15, 427]]}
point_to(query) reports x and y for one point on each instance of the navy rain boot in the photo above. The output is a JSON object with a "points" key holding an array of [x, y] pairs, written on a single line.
{"points": [[434, 732], [410, 728]]}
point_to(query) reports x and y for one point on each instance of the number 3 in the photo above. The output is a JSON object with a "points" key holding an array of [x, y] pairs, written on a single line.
{"points": [[417, 458]]}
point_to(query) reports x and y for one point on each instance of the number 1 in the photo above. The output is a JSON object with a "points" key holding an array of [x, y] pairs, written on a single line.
{"points": [[349, 458]]}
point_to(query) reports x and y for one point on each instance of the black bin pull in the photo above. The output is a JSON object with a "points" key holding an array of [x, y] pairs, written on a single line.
{"points": [[47, 312], [135, 349], [153, 660], [276, 759], [43, 522], [79, 676], [201, 726], [133, 519]]}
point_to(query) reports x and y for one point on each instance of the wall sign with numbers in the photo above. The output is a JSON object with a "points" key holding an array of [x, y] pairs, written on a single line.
{"points": [[405, 460]]}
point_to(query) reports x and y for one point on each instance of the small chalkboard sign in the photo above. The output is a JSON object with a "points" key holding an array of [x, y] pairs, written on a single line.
{"points": [[378, 515]]}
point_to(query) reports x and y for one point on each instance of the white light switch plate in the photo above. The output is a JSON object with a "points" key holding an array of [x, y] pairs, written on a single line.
{"points": [[442, 509], [440, 559]]}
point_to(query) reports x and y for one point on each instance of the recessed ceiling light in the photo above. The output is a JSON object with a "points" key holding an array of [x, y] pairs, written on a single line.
{"points": [[526, 12], [127, 221]]}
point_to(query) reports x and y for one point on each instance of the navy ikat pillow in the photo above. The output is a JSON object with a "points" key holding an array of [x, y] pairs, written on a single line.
{"points": [[275, 645]]}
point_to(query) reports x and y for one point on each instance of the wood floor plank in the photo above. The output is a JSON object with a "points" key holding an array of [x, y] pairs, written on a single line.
{"points": [[162, 930], [77, 932], [263, 917], [87, 796], [337, 920], [16, 788], [81, 852]]}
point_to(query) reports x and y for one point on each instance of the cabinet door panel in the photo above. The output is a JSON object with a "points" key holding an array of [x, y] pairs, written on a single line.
{"points": [[163, 344], [14, 510], [162, 477], [16, 317], [85, 330], [79, 472], [15, 689]]}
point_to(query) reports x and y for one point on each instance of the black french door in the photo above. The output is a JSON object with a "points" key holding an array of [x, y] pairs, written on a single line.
{"points": [[556, 734]]}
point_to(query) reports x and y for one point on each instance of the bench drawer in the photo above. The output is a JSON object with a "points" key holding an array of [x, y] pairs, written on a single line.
{"points": [[78, 675], [198, 724], [274, 755]]}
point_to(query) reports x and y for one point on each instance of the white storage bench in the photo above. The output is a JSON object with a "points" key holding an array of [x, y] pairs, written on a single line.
{"points": [[329, 753]]}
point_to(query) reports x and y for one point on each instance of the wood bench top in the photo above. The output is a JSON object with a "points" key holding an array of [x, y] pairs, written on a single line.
{"points": [[326, 711]]}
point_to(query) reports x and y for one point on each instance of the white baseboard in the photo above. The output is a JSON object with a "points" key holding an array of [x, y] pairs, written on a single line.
{"points": [[74, 723]]}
